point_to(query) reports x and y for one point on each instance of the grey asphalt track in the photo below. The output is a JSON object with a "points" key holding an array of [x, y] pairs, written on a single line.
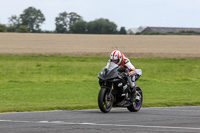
{"points": [[147, 120]]}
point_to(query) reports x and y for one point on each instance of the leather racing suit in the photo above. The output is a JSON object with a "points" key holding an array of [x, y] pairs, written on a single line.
{"points": [[127, 65]]}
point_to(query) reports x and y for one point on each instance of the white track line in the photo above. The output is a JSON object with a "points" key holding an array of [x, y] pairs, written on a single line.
{"points": [[96, 124], [181, 108], [32, 112]]}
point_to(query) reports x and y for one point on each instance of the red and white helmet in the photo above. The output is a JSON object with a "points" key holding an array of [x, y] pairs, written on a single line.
{"points": [[116, 55]]}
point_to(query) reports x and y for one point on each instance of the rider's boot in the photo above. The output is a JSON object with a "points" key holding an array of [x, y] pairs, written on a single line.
{"points": [[135, 96]]}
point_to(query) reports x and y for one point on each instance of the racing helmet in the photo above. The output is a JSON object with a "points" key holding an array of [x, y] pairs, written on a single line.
{"points": [[116, 57]]}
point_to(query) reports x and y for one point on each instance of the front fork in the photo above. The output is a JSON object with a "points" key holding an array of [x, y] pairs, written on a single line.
{"points": [[110, 92]]}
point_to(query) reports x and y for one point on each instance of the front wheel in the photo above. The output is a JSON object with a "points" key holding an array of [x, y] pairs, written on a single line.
{"points": [[105, 103], [135, 106]]}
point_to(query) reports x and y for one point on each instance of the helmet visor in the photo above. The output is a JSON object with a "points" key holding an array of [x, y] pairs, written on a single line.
{"points": [[115, 61]]}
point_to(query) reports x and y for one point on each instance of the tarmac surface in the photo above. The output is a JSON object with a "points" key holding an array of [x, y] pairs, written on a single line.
{"points": [[147, 120]]}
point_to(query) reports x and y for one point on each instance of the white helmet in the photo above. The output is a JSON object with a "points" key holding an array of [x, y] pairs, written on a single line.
{"points": [[116, 56]]}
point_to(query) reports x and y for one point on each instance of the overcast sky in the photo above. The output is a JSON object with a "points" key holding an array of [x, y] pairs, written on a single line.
{"points": [[127, 13]]}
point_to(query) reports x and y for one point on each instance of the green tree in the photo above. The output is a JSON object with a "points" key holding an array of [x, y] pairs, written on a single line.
{"points": [[79, 27], [32, 18], [65, 20], [73, 17], [62, 23], [3, 28], [122, 30], [14, 23], [101, 26]]}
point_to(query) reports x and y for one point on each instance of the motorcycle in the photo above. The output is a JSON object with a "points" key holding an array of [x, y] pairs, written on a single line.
{"points": [[116, 91]]}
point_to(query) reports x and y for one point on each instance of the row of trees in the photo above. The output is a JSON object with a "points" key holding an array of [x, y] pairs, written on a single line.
{"points": [[31, 20]]}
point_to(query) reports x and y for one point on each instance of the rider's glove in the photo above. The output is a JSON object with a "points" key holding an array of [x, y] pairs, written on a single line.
{"points": [[132, 73], [106, 70]]}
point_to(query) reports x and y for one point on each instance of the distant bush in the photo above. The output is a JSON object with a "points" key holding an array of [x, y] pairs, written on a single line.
{"points": [[3, 28], [188, 33], [11, 29], [47, 31], [169, 33], [22, 29], [122, 30]]}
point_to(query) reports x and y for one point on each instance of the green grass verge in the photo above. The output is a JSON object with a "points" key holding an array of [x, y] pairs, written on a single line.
{"points": [[30, 83]]}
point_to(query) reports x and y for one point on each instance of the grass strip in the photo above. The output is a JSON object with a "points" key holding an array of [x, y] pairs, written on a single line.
{"points": [[31, 83]]}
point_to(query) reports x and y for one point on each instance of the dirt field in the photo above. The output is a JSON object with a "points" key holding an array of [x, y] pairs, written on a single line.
{"points": [[101, 45]]}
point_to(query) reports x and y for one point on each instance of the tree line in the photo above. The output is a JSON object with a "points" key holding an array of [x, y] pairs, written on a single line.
{"points": [[31, 20]]}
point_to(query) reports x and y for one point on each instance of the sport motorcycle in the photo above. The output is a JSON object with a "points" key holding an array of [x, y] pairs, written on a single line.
{"points": [[115, 89]]}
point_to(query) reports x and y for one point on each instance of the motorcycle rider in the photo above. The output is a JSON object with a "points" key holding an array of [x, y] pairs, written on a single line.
{"points": [[119, 58]]}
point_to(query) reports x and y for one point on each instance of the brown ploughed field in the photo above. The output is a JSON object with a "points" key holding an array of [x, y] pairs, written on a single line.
{"points": [[151, 46]]}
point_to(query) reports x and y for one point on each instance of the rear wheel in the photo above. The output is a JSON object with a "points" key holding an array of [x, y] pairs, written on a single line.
{"points": [[135, 106], [105, 103]]}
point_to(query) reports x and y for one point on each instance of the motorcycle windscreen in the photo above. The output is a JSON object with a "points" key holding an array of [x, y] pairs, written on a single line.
{"points": [[112, 66], [110, 73]]}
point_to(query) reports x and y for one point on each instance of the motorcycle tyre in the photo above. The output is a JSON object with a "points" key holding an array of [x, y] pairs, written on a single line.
{"points": [[132, 107], [101, 100]]}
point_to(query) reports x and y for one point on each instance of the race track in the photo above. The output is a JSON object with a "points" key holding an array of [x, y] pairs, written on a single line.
{"points": [[147, 120]]}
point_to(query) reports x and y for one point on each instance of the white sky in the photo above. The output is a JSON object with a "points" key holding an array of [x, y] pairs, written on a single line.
{"points": [[127, 13]]}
